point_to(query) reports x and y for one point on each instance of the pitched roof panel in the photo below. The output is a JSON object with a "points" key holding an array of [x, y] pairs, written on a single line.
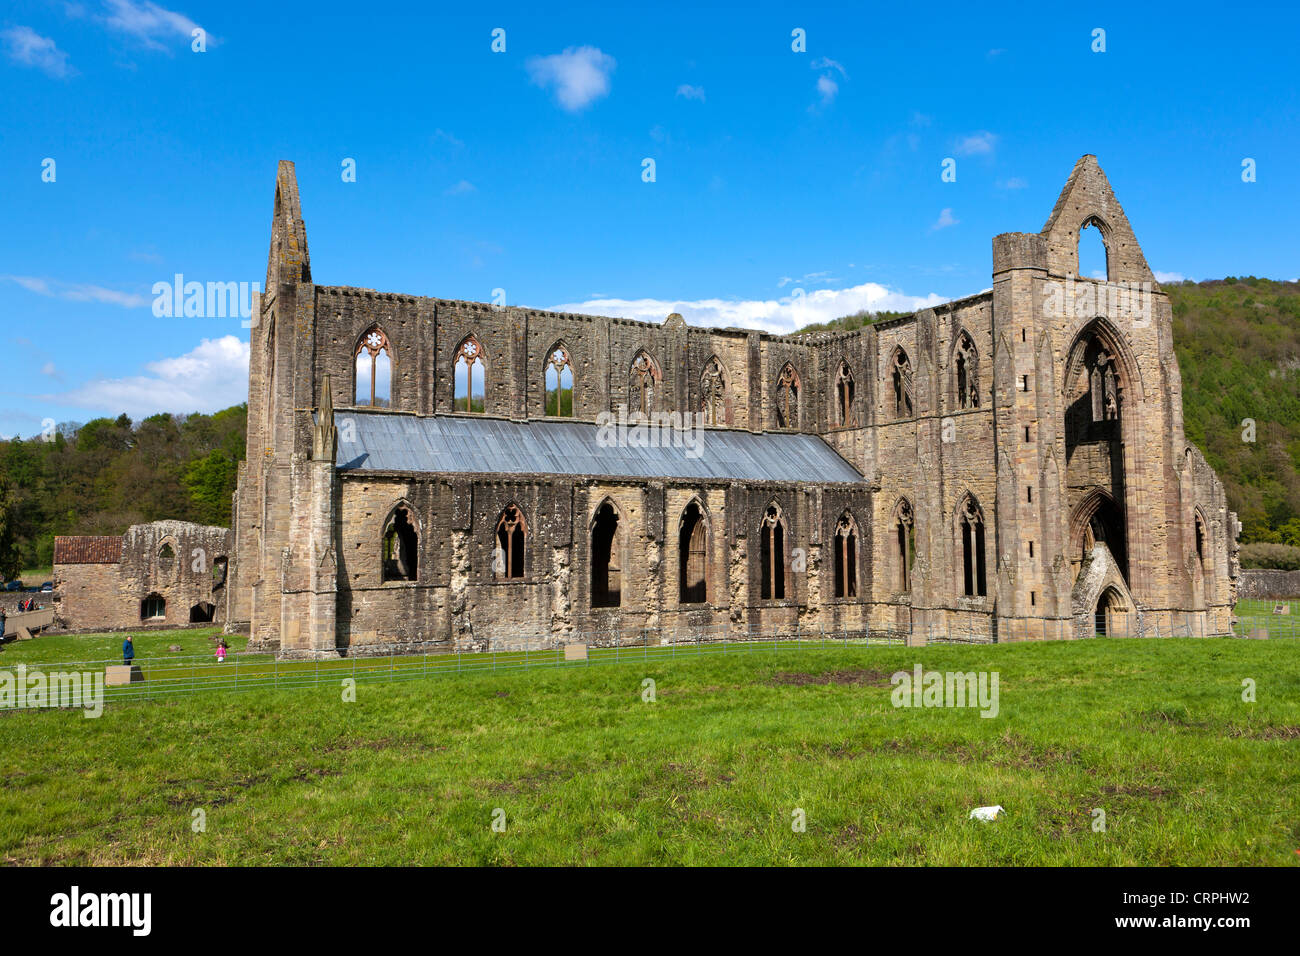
{"points": [[379, 441]]}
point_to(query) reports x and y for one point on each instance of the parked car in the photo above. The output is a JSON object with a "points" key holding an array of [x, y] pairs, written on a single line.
{"points": [[47, 587], [14, 585]]}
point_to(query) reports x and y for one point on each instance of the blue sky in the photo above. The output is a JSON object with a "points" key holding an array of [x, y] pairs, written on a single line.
{"points": [[789, 186]]}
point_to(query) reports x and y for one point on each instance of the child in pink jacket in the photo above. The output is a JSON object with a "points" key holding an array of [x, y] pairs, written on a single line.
{"points": [[221, 651]]}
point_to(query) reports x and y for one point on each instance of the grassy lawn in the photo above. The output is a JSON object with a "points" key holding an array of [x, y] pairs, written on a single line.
{"points": [[1152, 731]]}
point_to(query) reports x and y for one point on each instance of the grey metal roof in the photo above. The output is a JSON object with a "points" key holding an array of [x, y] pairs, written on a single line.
{"points": [[379, 441]]}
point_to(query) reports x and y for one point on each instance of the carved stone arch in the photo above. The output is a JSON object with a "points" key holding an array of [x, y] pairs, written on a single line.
{"points": [[846, 397], [773, 552], [510, 543], [469, 353], [372, 349], [400, 535], [1099, 518], [901, 392], [971, 544], [694, 542], [964, 367], [715, 392], [558, 378], [1089, 221], [847, 550], [788, 397], [1104, 331], [608, 536], [167, 557], [644, 384], [902, 544]]}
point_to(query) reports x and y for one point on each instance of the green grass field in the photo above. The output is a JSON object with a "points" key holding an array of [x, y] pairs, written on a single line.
{"points": [[1153, 732]]}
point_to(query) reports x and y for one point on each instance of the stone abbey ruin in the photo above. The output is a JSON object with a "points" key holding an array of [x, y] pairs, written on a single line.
{"points": [[445, 475]]}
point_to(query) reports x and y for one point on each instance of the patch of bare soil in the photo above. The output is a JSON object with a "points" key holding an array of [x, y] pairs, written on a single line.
{"points": [[1267, 733], [1148, 791], [531, 782], [856, 676]]}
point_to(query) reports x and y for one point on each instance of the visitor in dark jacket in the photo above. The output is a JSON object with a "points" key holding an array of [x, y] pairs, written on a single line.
{"points": [[128, 651]]}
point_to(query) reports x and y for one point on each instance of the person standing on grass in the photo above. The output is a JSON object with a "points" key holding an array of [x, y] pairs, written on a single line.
{"points": [[221, 651], [128, 650]]}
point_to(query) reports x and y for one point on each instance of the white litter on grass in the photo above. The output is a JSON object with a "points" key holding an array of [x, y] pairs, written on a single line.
{"points": [[986, 813]]}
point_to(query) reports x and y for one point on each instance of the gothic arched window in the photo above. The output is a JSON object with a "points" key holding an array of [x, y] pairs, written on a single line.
{"points": [[970, 526], [904, 544], [606, 573], [642, 383], [692, 552], [400, 556], [1103, 383], [772, 554], [901, 373], [787, 397], [374, 369], [846, 557], [713, 393], [470, 377], [845, 410], [966, 373], [508, 562], [559, 383]]}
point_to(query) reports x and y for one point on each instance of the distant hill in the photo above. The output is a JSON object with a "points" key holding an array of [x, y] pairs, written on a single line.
{"points": [[1238, 344]]}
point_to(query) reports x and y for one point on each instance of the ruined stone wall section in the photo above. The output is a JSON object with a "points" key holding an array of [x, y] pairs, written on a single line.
{"points": [[111, 596]]}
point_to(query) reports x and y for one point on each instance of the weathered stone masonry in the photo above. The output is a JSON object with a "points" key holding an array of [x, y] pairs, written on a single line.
{"points": [[1018, 465]]}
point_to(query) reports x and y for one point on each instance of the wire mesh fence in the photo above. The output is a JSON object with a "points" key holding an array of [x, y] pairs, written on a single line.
{"points": [[161, 677]]}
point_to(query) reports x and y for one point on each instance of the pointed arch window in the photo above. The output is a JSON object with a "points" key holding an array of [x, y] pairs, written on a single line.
{"points": [[901, 374], [606, 573], [904, 544], [559, 383], [966, 373], [970, 524], [713, 392], [1092, 252], [470, 377], [846, 557], [772, 555], [374, 369], [692, 550], [787, 397], [401, 546], [512, 532], [845, 410], [1103, 383], [643, 382], [166, 558]]}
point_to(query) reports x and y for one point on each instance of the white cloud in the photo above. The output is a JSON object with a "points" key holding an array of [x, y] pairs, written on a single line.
{"points": [[28, 48], [579, 76], [945, 220], [1015, 182], [212, 376], [827, 89], [826, 63], [786, 314], [1169, 276], [149, 23], [976, 144], [461, 188], [688, 92], [77, 292]]}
